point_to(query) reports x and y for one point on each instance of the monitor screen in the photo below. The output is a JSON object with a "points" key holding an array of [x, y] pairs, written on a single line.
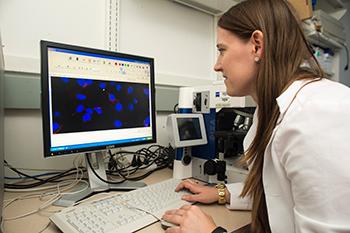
{"points": [[186, 130], [94, 99], [189, 128]]}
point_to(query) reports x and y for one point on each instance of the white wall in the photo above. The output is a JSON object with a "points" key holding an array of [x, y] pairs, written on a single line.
{"points": [[23, 141], [25, 23], [180, 39]]}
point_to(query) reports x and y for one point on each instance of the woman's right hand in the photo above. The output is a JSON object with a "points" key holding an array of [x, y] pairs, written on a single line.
{"points": [[201, 193]]}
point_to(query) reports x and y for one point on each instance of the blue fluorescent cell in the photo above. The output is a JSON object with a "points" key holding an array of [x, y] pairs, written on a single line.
{"points": [[135, 101], [84, 82], [146, 122], [103, 85], [131, 107], [65, 80], [98, 110], [81, 96], [86, 117], [89, 111], [118, 107], [111, 97], [80, 108], [117, 123], [55, 126], [81, 82], [118, 87], [130, 90], [89, 81], [57, 114], [146, 91]]}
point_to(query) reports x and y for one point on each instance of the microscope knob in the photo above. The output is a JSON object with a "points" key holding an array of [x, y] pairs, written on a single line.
{"points": [[210, 167], [186, 160]]}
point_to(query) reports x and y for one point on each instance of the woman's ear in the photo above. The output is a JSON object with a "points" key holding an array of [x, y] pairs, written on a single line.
{"points": [[257, 40]]}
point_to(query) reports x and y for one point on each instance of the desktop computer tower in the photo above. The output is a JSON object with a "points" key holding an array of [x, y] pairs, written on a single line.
{"points": [[1, 129]]}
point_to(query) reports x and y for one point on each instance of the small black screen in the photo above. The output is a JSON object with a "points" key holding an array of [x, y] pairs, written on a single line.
{"points": [[189, 129]]}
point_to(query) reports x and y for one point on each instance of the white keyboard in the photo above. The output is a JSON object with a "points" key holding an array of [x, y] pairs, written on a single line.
{"points": [[121, 213]]}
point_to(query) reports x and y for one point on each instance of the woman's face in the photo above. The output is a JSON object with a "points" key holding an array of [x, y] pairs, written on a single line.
{"points": [[237, 64]]}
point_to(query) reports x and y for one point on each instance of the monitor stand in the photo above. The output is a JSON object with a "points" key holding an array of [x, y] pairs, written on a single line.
{"points": [[95, 184]]}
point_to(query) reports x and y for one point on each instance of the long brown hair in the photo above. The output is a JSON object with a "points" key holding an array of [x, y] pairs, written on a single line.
{"points": [[284, 54]]}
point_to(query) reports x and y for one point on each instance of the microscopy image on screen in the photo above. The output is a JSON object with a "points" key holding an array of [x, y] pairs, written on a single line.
{"points": [[80, 105], [189, 129]]}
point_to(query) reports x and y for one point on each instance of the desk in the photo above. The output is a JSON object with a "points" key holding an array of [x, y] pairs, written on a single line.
{"points": [[231, 220]]}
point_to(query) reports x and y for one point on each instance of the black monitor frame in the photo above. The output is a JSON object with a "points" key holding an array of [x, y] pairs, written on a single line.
{"points": [[96, 174], [45, 96]]}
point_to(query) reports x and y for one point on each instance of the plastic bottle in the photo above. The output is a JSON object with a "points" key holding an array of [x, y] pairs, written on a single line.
{"points": [[318, 53], [328, 60]]}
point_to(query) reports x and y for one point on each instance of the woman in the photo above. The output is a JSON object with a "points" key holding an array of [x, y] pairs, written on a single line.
{"points": [[296, 149]]}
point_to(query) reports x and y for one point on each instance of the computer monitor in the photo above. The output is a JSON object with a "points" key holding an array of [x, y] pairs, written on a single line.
{"points": [[185, 130], [94, 100]]}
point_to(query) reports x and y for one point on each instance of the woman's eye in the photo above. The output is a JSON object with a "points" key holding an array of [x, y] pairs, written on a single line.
{"points": [[221, 51]]}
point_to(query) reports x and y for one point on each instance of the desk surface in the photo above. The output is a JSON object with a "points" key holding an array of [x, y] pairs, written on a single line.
{"points": [[231, 220]]}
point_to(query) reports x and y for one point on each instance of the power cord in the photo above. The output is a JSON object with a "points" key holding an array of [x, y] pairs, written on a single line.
{"points": [[347, 56], [143, 159], [98, 176], [55, 196], [52, 179], [176, 108]]}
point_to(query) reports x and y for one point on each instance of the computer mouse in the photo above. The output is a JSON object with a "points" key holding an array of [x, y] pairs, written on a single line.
{"points": [[165, 224]]}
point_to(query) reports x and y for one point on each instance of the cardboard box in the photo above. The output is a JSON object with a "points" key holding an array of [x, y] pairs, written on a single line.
{"points": [[303, 8]]}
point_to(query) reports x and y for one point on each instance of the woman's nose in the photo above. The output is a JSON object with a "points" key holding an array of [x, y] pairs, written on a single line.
{"points": [[217, 67]]}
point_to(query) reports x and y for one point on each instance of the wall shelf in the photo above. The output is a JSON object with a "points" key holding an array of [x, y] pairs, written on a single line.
{"points": [[336, 3], [335, 8], [321, 40]]}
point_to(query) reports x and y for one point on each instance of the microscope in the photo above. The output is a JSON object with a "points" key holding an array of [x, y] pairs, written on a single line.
{"points": [[226, 120]]}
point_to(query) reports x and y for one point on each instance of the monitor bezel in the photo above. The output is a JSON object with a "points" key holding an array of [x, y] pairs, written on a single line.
{"points": [[44, 45]]}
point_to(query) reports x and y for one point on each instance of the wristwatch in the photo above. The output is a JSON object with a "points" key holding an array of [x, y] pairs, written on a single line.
{"points": [[221, 193]]}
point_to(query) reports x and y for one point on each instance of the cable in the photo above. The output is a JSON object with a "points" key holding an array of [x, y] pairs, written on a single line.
{"points": [[176, 109], [347, 56], [21, 189], [21, 173], [45, 227], [158, 157], [39, 175], [55, 196], [147, 174], [43, 206], [99, 177], [53, 179], [162, 157], [145, 156], [2, 225]]}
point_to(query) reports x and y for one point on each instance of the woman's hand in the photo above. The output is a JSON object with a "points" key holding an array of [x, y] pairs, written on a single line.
{"points": [[190, 219], [201, 193]]}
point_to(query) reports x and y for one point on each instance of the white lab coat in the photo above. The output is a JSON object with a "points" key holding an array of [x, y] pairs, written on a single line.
{"points": [[306, 173]]}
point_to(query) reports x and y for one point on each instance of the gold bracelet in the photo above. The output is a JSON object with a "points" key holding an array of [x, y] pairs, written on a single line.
{"points": [[221, 192]]}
